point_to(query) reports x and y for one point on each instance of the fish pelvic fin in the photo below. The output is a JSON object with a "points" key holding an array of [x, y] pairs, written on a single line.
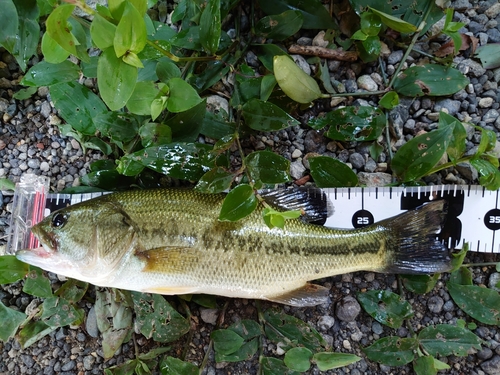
{"points": [[416, 247], [168, 259], [307, 295]]}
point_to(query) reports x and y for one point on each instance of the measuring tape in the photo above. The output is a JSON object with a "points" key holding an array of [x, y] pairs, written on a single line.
{"points": [[473, 215]]}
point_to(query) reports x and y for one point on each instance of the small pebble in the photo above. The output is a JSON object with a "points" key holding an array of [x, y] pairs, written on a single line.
{"points": [[325, 322], [348, 309], [209, 316]]}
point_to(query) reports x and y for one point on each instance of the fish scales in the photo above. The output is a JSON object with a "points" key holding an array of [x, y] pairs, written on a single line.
{"points": [[170, 241]]}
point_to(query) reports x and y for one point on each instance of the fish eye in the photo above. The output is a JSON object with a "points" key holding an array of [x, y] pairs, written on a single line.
{"points": [[59, 220]]}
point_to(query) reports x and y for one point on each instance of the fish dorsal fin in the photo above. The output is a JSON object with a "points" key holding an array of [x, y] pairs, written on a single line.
{"points": [[313, 202], [168, 259], [307, 295]]}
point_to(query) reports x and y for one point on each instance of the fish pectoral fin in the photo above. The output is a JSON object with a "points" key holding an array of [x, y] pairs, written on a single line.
{"points": [[171, 290], [307, 295], [169, 259]]}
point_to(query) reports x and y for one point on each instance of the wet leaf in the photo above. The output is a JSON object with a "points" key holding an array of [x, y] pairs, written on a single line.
{"points": [[298, 359], [182, 96], [59, 31], [329, 172], [10, 21], [215, 180], [443, 340], [37, 284], [216, 126], [314, 13], [28, 32], [482, 304], [32, 332], [275, 366], [395, 23], [174, 366], [266, 116], [392, 350], [488, 141], [156, 318], [420, 284], [119, 126], [12, 269], [456, 146], [107, 180], [389, 100], [130, 34], [353, 123], [327, 360], [116, 79], [370, 24], [419, 155], [47, 74], [294, 82], [268, 167], [280, 26], [153, 134], [489, 175], [210, 26], [11, 320], [239, 203], [279, 324], [430, 80], [386, 307], [489, 55], [78, 105]]}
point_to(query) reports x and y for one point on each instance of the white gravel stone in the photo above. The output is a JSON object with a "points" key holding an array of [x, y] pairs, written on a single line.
{"points": [[493, 11], [302, 63], [319, 40], [485, 102], [296, 154], [367, 83], [44, 166]]}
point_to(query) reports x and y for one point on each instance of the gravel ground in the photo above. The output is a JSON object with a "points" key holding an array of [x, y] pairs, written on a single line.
{"points": [[30, 142]]}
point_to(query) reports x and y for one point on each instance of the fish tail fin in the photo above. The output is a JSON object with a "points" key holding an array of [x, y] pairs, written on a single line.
{"points": [[416, 247]]}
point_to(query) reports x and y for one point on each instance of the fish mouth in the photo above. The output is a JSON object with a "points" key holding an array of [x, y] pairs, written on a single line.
{"points": [[39, 256]]}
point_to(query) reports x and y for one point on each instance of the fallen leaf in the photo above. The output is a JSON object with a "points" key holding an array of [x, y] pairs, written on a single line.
{"points": [[448, 48]]}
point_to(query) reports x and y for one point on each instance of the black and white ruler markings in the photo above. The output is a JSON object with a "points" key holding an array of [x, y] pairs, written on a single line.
{"points": [[473, 212]]}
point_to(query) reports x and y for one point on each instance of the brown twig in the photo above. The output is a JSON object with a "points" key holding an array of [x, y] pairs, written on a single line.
{"points": [[325, 53]]}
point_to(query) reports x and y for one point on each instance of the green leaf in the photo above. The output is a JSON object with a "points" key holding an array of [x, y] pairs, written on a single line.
{"points": [[11, 320], [489, 175], [78, 105], [119, 126], [353, 123], [210, 26], [456, 146], [28, 33], [142, 97], [430, 80], [57, 28], [215, 180], [489, 55], [246, 328], [11, 269], [329, 172], [47, 74], [215, 126], [57, 312], [314, 13], [268, 167], [480, 303], [279, 324], [157, 319], [443, 340], [6, 184], [266, 116], [32, 332], [275, 366], [186, 125], [268, 53], [26, 93], [424, 366], [89, 69], [294, 82], [187, 161], [392, 350], [167, 69], [280, 26], [389, 100], [386, 307], [419, 155], [298, 359], [72, 290], [239, 203], [116, 79], [226, 341], [327, 360], [52, 51], [102, 32], [182, 96], [244, 353], [37, 284], [153, 134], [420, 284], [130, 35], [395, 23], [369, 48], [487, 143], [9, 20], [275, 218], [174, 366], [370, 24]]}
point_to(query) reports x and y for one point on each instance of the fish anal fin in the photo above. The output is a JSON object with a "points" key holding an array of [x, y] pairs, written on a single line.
{"points": [[168, 259], [307, 295], [170, 290]]}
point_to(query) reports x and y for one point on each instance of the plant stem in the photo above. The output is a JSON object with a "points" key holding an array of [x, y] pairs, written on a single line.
{"points": [[450, 164], [486, 264], [175, 58]]}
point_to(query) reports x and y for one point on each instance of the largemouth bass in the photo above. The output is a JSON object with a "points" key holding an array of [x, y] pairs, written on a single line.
{"points": [[170, 241]]}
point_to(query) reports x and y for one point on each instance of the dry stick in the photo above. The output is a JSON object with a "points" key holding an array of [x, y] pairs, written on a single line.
{"points": [[325, 53]]}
